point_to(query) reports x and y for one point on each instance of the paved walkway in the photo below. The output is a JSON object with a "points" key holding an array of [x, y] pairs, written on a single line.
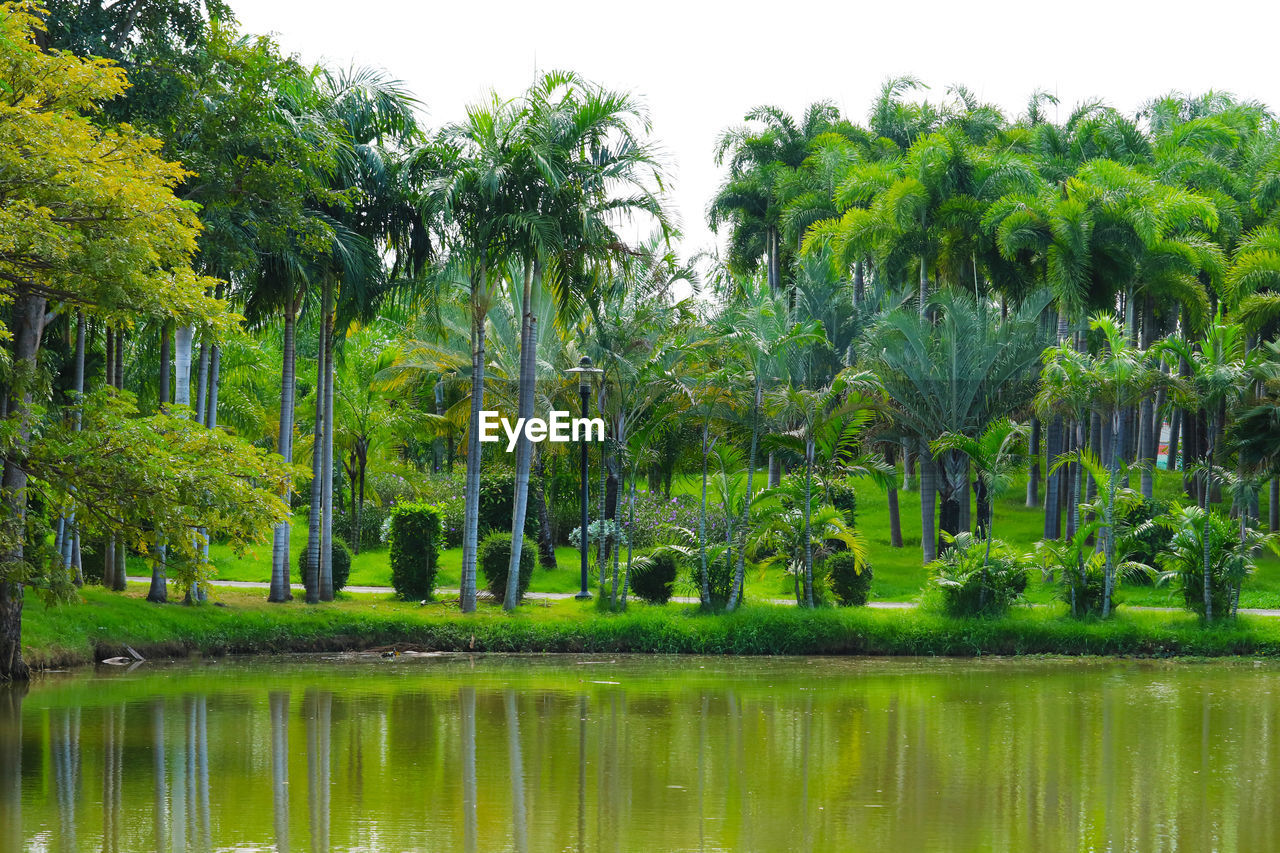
{"points": [[561, 596]]}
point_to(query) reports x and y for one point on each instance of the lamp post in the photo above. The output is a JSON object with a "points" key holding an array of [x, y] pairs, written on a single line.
{"points": [[585, 372]]}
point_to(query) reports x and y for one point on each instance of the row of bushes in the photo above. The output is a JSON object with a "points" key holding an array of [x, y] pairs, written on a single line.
{"points": [[655, 576]]}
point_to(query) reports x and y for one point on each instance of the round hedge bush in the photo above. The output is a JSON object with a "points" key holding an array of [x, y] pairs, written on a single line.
{"points": [[494, 558], [653, 578], [852, 587], [341, 564], [416, 534]]}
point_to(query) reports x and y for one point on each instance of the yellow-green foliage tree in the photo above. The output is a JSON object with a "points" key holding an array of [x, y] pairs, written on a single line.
{"points": [[89, 222]]}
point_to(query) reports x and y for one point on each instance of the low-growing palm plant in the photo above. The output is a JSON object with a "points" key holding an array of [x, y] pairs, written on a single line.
{"points": [[977, 581], [1210, 559], [784, 533]]}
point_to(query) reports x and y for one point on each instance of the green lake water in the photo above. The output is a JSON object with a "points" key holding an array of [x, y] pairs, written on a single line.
{"points": [[537, 753]]}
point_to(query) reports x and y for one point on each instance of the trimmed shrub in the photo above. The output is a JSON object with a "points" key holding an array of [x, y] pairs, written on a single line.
{"points": [[719, 575], [341, 563], [850, 582], [653, 576], [415, 542], [967, 588], [494, 558]]}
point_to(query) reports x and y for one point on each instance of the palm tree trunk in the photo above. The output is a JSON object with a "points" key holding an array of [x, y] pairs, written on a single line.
{"points": [[1175, 429], [1273, 506], [928, 503], [528, 364], [895, 515], [25, 321], [326, 504], [1204, 534], [471, 514], [70, 553], [546, 540], [159, 591], [739, 571], [705, 587], [1053, 482], [1110, 555], [280, 590], [808, 533], [631, 526], [1033, 471], [311, 578]]}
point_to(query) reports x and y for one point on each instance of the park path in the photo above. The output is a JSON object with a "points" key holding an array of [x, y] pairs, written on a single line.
{"points": [[561, 596]]}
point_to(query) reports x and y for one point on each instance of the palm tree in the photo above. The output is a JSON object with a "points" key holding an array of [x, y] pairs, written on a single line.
{"points": [[478, 187], [759, 337], [594, 170], [994, 455], [956, 376], [1221, 378], [751, 198], [833, 416]]}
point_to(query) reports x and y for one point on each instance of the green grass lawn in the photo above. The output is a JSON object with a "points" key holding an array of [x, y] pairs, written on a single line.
{"points": [[899, 575], [101, 624]]}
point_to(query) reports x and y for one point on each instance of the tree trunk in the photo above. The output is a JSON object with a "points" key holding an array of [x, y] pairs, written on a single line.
{"points": [[27, 316], [280, 590], [546, 540], [159, 591], [311, 577], [966, 506], [928, 504], [808, 532], [1053, 482], [471, 514], [704, 591], [1273, 505], [1175, 428], [895, 516], [71, 542], [954, 487], [739, 570], [524, 448], [326, 504], [1033, 471]]}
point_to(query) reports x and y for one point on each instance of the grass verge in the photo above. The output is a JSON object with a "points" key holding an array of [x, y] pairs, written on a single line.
{"points": [[103, 623]]}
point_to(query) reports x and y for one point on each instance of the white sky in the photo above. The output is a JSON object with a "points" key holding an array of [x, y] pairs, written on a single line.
{"points": [[700, 66]]}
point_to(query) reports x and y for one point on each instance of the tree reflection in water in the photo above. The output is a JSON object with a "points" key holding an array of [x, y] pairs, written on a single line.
{"points": [[533, 754]]}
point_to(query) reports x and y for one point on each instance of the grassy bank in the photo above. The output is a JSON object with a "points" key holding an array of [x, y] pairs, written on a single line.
{"points": [[104, 623]]}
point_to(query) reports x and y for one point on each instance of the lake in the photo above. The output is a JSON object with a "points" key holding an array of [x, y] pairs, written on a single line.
{"points": [[541, 753]]}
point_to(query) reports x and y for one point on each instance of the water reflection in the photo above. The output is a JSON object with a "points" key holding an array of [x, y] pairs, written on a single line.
{"points": [[11, 765], [278, 700], [529, 754]]}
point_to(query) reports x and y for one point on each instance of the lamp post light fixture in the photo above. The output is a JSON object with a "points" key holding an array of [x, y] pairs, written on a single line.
{"points": [[585, 372]]}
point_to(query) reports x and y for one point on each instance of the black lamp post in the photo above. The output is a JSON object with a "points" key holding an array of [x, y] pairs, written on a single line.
{"points": [[585, 371]]}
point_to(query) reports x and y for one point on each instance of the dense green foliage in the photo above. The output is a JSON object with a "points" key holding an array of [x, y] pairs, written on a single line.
{"points": [[415, 547], [970, 581], [934, 305], [494, 560], [653, 580], [849, 578], [341, 563]]}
